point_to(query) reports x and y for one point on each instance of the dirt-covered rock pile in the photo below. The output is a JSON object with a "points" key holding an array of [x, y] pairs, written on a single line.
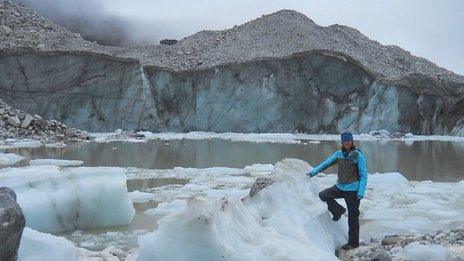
{"points": [[16, 124], [284, 33], [401, 247], [22, 28]]}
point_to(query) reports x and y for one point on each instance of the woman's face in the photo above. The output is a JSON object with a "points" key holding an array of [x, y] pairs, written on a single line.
{"points": [[347, 144]]}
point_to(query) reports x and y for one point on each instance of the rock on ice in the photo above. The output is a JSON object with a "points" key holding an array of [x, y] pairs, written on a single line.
{"points": [[55, 200]]}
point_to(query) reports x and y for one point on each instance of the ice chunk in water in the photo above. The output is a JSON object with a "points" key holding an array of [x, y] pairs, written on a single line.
{"points": [[55, 200], [40, 246], [21, 144], [56, 162], [140, 197], [286, 221], [10, 158], [166, 208]]}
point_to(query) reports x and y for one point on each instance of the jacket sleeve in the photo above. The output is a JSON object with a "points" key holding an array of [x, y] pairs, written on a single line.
{"points": [[332, 160], [362, 167]]}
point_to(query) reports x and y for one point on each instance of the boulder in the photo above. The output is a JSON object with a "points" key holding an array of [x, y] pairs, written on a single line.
{"points": [[12, 224], [4, 29], [14, 121], [27, 121], [391, 240], [168, 41], [259, 185]]}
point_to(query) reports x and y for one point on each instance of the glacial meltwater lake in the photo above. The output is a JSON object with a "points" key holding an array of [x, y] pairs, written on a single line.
{"points": [[418, 160], [169, 172]]}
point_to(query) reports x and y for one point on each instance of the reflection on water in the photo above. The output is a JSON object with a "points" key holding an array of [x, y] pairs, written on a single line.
{"points": [[143, 184], [434, 160]]}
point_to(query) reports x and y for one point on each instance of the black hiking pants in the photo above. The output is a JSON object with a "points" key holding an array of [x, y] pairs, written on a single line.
{"points": [[329, 195]]}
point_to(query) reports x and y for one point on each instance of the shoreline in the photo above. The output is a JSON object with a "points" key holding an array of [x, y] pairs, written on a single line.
{"points": [[449, 243], [286, 138]]}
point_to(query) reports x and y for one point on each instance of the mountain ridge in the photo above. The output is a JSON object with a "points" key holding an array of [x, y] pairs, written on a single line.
{"points": [[278, 34]]}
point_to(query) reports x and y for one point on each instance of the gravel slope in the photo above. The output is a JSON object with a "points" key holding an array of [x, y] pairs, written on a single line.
{"points": [[276, 35]]}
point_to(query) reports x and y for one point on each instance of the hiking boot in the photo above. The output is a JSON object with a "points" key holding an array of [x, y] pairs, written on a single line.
{"points": [[337, 216], [350, 246]]}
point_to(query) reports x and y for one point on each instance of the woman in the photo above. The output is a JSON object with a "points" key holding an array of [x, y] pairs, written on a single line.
{"points": [[351, 184]]}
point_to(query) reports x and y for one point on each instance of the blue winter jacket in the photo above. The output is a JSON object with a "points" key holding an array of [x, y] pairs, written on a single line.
{"points": [[352, 170]]}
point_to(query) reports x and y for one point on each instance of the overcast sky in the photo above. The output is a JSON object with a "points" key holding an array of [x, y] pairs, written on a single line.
{"points": [[433, 29]]}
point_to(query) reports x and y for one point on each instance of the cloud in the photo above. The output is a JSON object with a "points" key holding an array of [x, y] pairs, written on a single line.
{"points": [[427, 28]]}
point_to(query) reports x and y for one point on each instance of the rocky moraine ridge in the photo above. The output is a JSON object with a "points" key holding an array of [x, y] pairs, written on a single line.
{"points": [[16, 124], [279, 73]]}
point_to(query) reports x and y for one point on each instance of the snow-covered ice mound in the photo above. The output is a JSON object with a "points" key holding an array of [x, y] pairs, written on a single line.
{"points": [[55, 200], [285, 221]]}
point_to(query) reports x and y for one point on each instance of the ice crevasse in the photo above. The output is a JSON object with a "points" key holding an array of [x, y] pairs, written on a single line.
{"points": [[284, 221]]}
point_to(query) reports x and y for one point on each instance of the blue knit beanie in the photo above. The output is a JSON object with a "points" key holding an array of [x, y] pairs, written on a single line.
{"points": [[347, 136]]}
